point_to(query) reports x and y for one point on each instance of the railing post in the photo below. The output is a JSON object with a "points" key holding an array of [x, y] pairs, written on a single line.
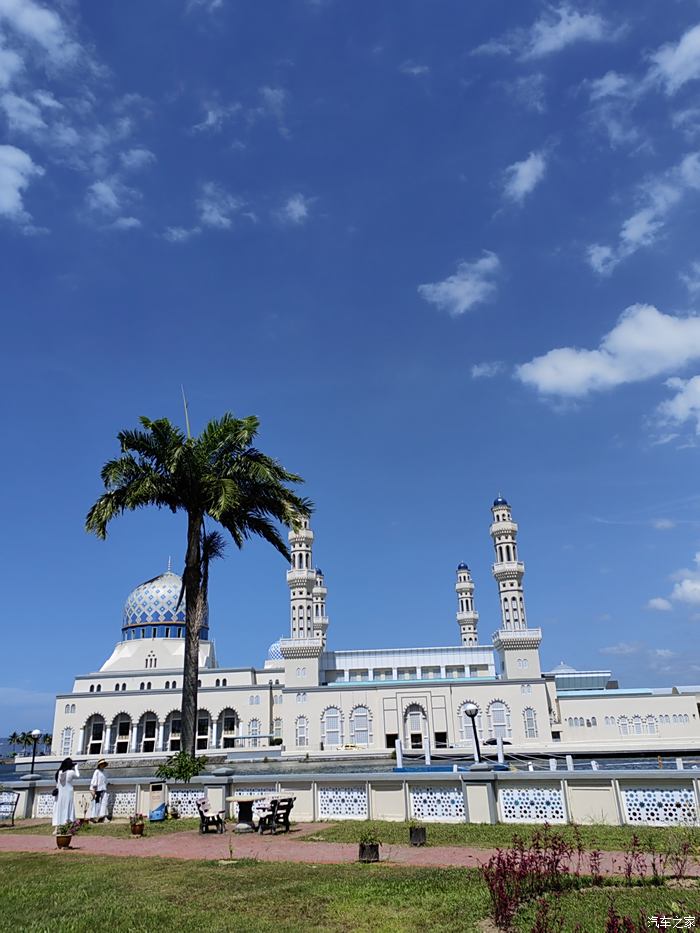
{"points": [[499, 750], [569, 762], [399, 753], [552, 764], [679, 764]]}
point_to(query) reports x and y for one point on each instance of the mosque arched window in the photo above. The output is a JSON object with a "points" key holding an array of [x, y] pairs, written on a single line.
{"points": [[254, 732], [72, 707], [224, 682], [229, 728], [94, 735], [92, 688], [217, 683], [67, 709], [415, 726], [624, 725], [360, 726], [148, 685], [116, 687], [332, 727], [277, 729], [174, 685], [499, 720], [651, 725], [167, 685], [203, 729], [172, 732], [67, 741], [98, 688], [120, 735], [530, 721], [142, 686], [147, 732], [301, 732]]}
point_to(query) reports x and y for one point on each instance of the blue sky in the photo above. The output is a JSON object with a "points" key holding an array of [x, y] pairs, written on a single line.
{"points": [[442, 250]]}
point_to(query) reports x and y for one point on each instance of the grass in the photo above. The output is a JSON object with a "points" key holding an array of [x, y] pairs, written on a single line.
{"points": [[116, 828], [499, 835], [73, 893], [589, 908]]}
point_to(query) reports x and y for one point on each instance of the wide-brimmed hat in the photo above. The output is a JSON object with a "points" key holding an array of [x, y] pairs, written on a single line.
{"points": [[102, 761]]}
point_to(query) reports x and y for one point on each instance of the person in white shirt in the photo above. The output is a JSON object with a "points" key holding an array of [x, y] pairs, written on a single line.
{"points": [[64, 806], [98, 792]]}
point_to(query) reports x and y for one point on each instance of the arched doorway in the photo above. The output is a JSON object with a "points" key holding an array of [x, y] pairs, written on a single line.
{"points": [[94, 735], [415, 726]]}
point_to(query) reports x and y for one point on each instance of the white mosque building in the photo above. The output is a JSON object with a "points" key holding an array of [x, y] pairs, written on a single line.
{"points": [[308, 699]]}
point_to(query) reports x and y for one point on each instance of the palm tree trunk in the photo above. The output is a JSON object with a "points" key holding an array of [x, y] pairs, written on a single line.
{"points": [[193, 584]]}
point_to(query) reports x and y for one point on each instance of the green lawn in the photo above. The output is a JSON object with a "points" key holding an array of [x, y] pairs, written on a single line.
{"points": [[500, 835], [72, 893], [119, 827], [590, 908]]}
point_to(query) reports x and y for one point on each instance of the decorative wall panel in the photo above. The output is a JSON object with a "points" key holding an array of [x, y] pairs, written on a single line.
{"points": [[544, 804], [660, 806], [348, 803], [437, 803]]}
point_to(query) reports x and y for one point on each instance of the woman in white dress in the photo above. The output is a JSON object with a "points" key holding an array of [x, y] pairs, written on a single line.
{"points": [[64, 807], [98, 791]]}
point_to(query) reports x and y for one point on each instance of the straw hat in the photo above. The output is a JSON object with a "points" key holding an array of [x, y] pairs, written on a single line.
{"points": [[102, 761]]}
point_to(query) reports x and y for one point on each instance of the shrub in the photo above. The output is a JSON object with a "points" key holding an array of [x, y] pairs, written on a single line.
{"points": [[181, 767]]}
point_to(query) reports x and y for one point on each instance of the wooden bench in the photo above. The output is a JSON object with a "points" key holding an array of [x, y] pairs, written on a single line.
{"points": [[8, 806], [277, 815]]}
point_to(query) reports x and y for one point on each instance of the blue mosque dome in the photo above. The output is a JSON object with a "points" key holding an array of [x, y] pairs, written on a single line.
{"points": [[462, 566], [152, 610], [274, 652], [499, 500]]}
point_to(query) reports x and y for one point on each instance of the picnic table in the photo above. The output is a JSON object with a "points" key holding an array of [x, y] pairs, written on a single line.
{"points": [[246, 823]]}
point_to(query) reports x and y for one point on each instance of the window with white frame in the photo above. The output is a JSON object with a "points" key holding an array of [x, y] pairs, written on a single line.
{"points": [[67, 741], [277, 729], [651, 725], [254, 732], [466, 731], [530, 718], [624, 725], [332, 727], [499, 720], [301, 731], [360, 726]]}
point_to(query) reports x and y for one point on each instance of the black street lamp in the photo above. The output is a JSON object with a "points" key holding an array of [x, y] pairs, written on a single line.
{"points": [[35, 737], [472, 710]]}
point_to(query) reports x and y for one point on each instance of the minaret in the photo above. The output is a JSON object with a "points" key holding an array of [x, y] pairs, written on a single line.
{"points": [[516, 644], [508, 570], [301, 652], [318, 594], [301, 579], [467, 616]]}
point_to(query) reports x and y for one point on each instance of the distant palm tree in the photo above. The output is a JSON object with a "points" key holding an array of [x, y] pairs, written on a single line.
{"points": [[13, 739], [25, 740], [47, 741], [219, 474]]}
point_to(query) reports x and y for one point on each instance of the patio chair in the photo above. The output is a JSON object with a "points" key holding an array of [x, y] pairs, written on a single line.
{"points": [[208, 819], [277, 815]]}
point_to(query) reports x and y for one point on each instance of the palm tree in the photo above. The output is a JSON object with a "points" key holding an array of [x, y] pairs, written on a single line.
{"points": [[25, 740], [219, 475], [13, 739], [46, 740]]}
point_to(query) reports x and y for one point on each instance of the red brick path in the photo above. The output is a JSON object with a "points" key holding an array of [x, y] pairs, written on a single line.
{"points": [[281, 848]]}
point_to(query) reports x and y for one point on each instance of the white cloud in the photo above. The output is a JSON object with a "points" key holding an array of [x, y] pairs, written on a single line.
{"points": [[659, 604], [104, 196], [216, 207], [16, 171], [31, 21], [487, 370], [522, 178], [126, 223], [137, 158], [529, 90], [23, 116], [622, 648], [411, 68], [556, 29], [296, 209], [216, 115], [11, 65], [181, 234], [676, 64], [657, 197], [663, 524], [643, 343], [471, 284], [684, 405]]}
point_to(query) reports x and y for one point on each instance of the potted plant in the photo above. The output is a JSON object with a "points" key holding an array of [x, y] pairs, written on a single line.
{"points": [[369, 844], [65, 833], [137, 823], [416, 833]]}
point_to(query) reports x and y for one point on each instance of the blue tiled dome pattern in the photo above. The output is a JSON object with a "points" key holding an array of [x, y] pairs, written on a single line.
{"points": [[156, 601], [274, 652]]}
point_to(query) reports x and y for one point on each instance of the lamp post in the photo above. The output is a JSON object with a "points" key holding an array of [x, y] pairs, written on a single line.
{"points": [[35, 738], [472, 710]]}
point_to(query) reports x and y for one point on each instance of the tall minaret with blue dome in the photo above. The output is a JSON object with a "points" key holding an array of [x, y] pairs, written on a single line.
{"points": [[467, 616], [516, 644], [302, 580]]}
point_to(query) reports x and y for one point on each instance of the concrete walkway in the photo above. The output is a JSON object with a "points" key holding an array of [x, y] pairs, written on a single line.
{"points": [[287, 847]]}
